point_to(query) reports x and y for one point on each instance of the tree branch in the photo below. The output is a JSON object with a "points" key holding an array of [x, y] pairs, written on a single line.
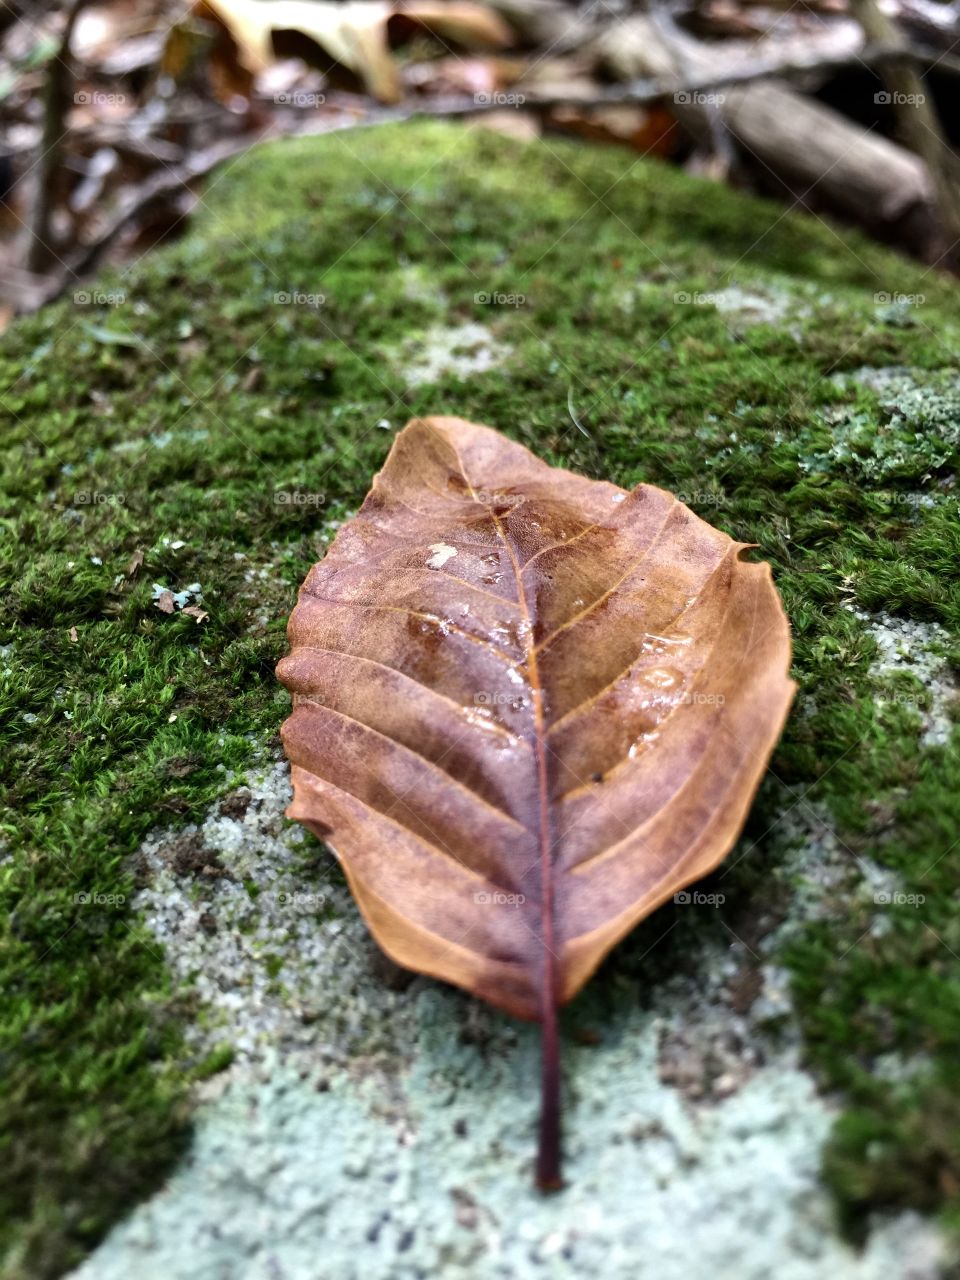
{"points": [[56, 106]]}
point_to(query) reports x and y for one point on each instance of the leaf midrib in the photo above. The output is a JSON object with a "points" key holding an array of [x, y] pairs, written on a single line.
{"points": [[548, 978]]}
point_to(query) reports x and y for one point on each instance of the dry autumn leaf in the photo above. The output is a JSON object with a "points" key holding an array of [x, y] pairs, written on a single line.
{"points": [[354, 33], [528, 708]]}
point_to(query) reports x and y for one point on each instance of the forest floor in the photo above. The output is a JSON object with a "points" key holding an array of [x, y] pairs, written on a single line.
{"points": [[767, 1084]]}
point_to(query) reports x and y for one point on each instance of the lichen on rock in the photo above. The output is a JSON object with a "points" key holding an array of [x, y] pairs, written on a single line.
{"points": [[392, 1134]]}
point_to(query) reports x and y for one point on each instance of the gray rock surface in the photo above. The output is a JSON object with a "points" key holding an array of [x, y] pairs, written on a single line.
{"points": [[384, 1129]]}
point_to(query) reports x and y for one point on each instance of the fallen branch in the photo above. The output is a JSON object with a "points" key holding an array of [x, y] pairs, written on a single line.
{"points": [[647, 90], [916, 118], [813, 152], [159, 186], [822, 157]]}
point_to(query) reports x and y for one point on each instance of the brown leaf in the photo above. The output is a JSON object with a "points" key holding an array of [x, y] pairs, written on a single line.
{"points": [[645, 129], [529, 707], [195, 611], [463, 22], [353, 33], [164, 602]]}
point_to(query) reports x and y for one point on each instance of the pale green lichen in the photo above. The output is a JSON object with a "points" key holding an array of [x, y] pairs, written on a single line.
{"points": [[915, 427], [391, 1133]]}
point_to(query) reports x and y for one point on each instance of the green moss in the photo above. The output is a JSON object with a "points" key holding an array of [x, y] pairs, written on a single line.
{"points": [[189, 414]]}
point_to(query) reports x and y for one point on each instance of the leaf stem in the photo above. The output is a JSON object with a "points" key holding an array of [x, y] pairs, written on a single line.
{"points": [[548, 1151]]}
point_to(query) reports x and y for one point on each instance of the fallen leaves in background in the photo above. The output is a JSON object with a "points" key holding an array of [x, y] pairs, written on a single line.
{"points": [[355, 35], [110, 124]]}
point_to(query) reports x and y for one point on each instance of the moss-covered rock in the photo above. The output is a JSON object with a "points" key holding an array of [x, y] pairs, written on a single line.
{"points": [[181, 440]]}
